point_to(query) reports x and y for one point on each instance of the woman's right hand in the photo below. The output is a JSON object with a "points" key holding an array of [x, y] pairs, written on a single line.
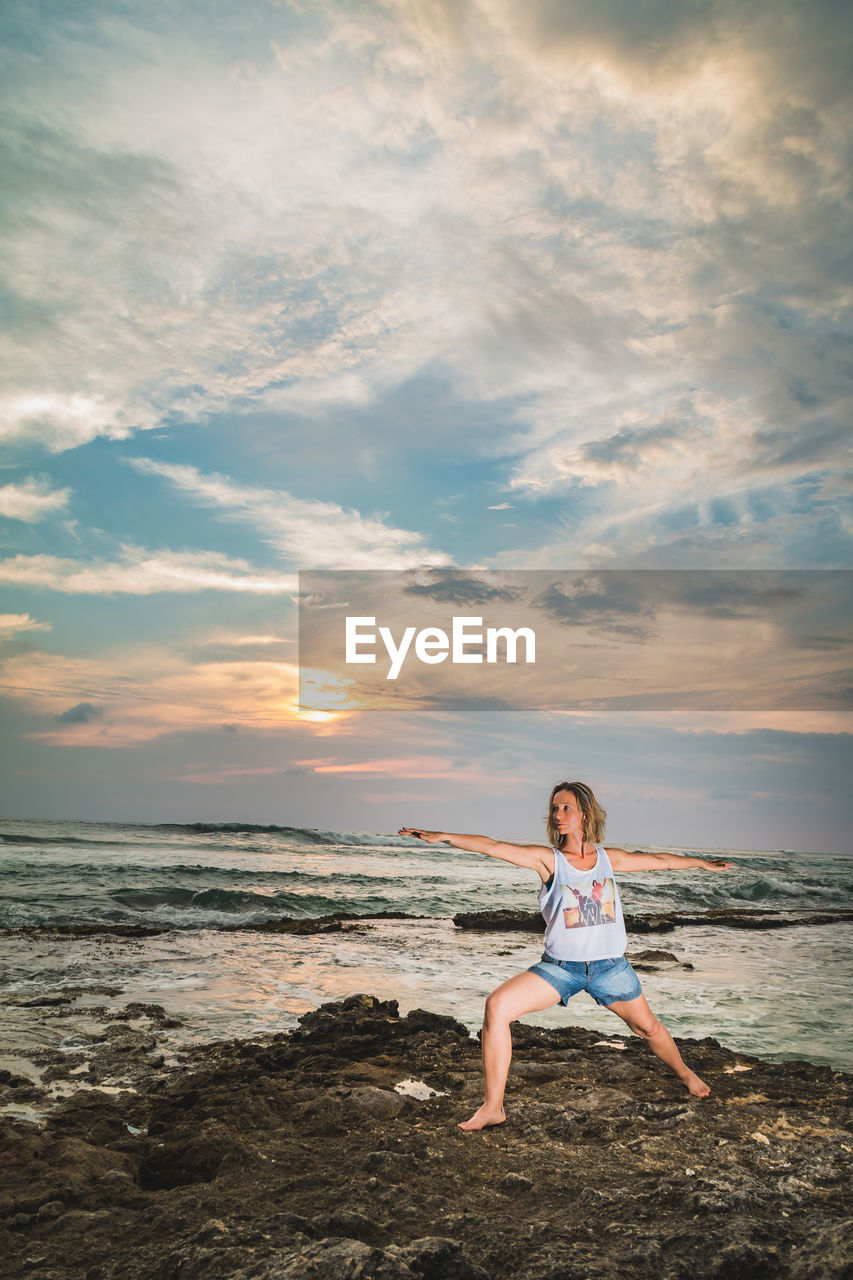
{"points": [[429, 837]]}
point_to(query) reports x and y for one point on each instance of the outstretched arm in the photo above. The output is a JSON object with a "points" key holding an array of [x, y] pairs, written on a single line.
{"points": [[622, 860], [535, 856]]}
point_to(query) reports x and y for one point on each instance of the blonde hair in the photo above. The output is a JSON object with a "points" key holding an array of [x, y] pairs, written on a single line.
{"points": [[594, 817]]}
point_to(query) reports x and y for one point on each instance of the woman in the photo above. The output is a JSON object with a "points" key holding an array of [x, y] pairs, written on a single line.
{"points": [[584, 946]]}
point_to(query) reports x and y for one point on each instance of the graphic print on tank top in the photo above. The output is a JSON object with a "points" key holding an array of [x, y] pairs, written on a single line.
{"points": [[580, 910]]}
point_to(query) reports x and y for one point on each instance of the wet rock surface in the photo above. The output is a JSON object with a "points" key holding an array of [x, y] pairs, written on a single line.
{"points": [[485, 921], [295, 1156], [119, 1054], [660, 921], [653, 960]]}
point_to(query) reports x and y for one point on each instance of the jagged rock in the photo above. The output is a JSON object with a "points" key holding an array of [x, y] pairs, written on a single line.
{"points": [[538, 1071], [825, 1254], [292, 1156], [382, 1103], [661, 921], [439, 1258], [51, 1209], [652, 960], [513, 1183], [330, 1260], [603, 1100], [344, 1222]]}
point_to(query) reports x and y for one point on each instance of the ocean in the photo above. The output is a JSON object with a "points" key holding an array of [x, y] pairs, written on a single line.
{"points": [[779, 994]]}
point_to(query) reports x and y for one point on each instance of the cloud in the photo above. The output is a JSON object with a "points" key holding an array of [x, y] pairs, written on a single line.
{"points": [[321, 534], [32, 500], [237, 640], [697, 532], [707, 448], [451, 587], [397, 767], [609, 598], [66, 420], [13, 622], [610, 223], [228, 774], [82, 713], [141, 572], [599, 640], [142, 693]]}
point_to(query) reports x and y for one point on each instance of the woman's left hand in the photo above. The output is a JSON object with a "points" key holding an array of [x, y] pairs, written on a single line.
{"points": [[717, 864]]}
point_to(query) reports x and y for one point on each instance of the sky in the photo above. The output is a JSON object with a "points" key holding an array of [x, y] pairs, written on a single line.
{"points": [[330, 285]]}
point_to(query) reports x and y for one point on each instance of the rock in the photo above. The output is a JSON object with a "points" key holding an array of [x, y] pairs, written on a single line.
{"points": [[183, 1163], [211, 1229], [137, 1009], [330, 1260], [390, 1165], [660, 922], [439, 1258], [538, 1070], [52, 1209], [653, 961], [653, 956], [344, 1222], [80, 1220], [824, 1254], [515, 921], [126, 1040], [117, 1177], [602, 1100], [423, 1020], [732, 918], [280, 1156], [293, 1224], [513, 1183], [97, 1117], [349, 1010], [382, 1103], [9, 1080], [190, 1262]]}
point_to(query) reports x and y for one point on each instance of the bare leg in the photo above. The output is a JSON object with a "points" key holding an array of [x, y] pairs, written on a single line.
{"points": [[643, 1022], [525, 993]]}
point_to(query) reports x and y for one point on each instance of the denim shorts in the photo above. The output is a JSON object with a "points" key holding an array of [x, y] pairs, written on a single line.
{"points": [[606, 980]]}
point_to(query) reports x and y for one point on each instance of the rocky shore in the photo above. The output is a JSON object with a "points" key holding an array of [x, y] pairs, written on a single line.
{"points": [[332, 1152], [485, 921], [660, 921]]}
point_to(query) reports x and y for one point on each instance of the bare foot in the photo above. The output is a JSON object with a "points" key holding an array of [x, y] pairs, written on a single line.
{"points": [[697, 1087], [484, 1117]]}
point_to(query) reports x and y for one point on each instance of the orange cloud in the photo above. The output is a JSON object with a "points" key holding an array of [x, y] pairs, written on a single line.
{"points": [[216, 776], [144, 693], [413, 767]]}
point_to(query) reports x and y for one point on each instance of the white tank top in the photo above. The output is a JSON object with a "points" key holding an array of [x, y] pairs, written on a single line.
{"points": [[582, 910]]}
